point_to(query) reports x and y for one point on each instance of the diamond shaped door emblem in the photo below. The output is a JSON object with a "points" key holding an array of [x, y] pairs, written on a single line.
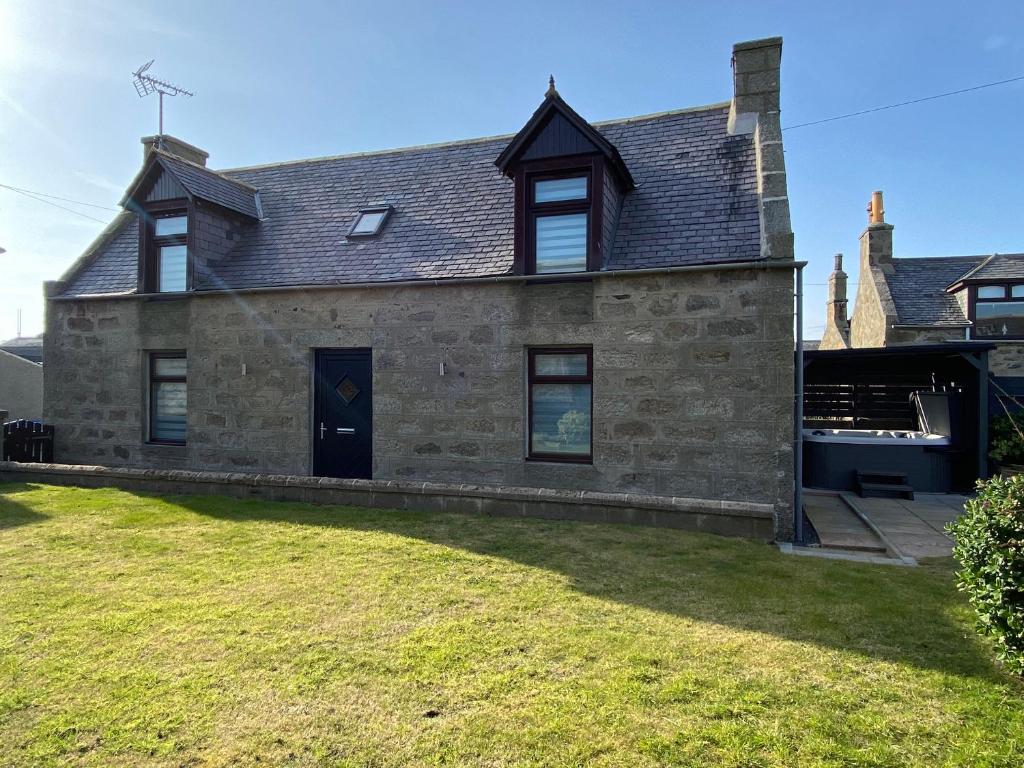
{"points": [[347, 390]]}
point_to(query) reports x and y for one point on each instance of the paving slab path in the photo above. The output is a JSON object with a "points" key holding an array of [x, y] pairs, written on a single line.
{"points": [[837, 525], [916, 528]]}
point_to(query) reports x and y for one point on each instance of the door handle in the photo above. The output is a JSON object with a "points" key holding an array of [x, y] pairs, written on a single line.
{"points": [[322, 430], [346, 430]]}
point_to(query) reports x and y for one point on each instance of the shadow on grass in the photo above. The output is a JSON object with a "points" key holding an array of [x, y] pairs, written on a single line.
{"points": [[906, 615], [13, 513]]}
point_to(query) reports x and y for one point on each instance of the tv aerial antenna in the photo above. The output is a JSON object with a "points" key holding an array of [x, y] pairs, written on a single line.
{"points": [[146, 84]]}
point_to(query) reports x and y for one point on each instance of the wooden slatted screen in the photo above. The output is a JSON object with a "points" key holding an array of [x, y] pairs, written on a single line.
{"points": [[28, 441]]}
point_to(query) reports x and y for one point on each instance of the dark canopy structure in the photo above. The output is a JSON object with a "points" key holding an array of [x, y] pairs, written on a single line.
{"points": [[872, 388]]}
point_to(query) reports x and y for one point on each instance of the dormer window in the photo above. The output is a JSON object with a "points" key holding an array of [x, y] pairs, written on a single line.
{"points": [[185, 211], [170, 240], [559, 213], [165, 247], [569, 186], [998, 311], [370, 221]]}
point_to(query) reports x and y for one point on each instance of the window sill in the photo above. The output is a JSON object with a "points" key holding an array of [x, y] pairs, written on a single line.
{"points": [[587, 461], [164, 444], [166, 295], [554, 278]]}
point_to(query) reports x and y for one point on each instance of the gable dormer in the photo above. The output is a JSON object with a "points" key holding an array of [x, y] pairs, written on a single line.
{"points": [[569, 185], [188, 214]]}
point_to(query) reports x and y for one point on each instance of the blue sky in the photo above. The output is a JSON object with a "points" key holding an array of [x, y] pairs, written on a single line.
{"points": [[279, 81]]}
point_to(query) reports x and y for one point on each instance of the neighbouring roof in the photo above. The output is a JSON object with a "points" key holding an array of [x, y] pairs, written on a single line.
{"points": [[920, 287], [696, 202], [998, 266], [27, 347]]}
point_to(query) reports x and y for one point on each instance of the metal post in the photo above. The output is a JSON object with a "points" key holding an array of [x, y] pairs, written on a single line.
{"points": [[161, 112], [798, 413], [983, 416]]}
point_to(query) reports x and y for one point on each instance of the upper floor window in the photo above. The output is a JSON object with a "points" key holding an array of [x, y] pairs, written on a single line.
{"points": [[170, 235], [998, 311], [164, 246], [558, 222]]}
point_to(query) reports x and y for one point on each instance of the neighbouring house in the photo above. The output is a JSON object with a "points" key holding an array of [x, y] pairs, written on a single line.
{"points": [[605, 307], [21, 387], [925, 300], [28, 347]]}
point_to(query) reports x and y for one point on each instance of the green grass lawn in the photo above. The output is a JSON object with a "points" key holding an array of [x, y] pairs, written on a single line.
{"points": [[205, 632]]}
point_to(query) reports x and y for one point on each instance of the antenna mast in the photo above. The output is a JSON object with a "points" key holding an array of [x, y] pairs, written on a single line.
{"points": [[146, 84]]}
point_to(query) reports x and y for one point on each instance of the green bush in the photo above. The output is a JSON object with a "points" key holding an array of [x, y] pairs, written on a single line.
{"points": [[1004, 439], [990, 550]]}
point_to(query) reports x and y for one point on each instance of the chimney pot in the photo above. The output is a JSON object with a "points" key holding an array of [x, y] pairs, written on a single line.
{"points": [[876, 211], [876, 240], [838, 265]]}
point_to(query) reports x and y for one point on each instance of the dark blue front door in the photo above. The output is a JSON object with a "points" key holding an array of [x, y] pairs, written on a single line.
{"points": [[343, 424]]}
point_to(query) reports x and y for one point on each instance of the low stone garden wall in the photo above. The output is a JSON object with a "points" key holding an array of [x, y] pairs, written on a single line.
{"points": [[729, 518]]}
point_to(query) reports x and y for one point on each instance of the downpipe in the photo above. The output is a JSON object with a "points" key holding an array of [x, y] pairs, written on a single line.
{"points": [[798, 412]]}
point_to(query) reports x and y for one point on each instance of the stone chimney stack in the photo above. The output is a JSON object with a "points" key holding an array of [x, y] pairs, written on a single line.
{"points": [[837, 323], [876, 240], [756, 69], [173, 146]]}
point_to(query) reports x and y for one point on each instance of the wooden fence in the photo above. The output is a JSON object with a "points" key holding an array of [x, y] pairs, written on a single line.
{"points": [[28, 442]]}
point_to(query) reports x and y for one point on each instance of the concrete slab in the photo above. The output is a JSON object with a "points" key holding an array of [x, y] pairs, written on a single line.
{"points": [[915, 528], [838, 527]]}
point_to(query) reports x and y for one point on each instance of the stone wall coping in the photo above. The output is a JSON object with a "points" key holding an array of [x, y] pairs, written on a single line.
{"points": [[593, 498]]}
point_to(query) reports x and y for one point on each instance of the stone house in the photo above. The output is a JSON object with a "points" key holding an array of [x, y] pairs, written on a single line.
{"points": [[603, 307], [929, 300]]}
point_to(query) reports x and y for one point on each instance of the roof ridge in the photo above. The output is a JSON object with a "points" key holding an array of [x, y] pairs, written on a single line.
{"points": [[461, 142], [940, 258], [974, 269]]}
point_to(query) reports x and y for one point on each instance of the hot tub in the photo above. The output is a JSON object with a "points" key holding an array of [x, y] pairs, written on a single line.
{"points": [[833, 456]]}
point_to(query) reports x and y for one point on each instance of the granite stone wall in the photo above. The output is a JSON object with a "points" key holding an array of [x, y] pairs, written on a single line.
{"points": [[1007, 359], [693, 378]]}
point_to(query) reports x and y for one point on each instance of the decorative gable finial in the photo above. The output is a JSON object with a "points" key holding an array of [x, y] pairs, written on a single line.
{"points": [[551, 87]]}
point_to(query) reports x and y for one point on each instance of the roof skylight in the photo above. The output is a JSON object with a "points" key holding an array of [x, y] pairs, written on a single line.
{"points": [[370, 221]]}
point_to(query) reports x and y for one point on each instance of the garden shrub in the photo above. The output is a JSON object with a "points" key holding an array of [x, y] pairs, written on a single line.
{"points": [[1006, 445], [990, 550]]}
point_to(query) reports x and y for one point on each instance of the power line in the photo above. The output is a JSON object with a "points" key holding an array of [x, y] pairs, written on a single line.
{"points": [[905, 103], [54, 197], [32, 196]]}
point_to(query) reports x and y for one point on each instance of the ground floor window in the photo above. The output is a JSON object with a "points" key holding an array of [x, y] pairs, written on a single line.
{"points": [[560, 403], [167, 397]]}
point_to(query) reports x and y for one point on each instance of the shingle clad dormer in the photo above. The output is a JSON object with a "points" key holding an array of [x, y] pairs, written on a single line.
{"points": [[570, 181]]}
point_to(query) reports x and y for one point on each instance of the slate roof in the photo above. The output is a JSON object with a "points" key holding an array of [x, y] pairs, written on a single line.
{"points": [[27, 347], [210, 185], [999, 266], [918, 285], [695, 203], [110, 265], [918, 288]]}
